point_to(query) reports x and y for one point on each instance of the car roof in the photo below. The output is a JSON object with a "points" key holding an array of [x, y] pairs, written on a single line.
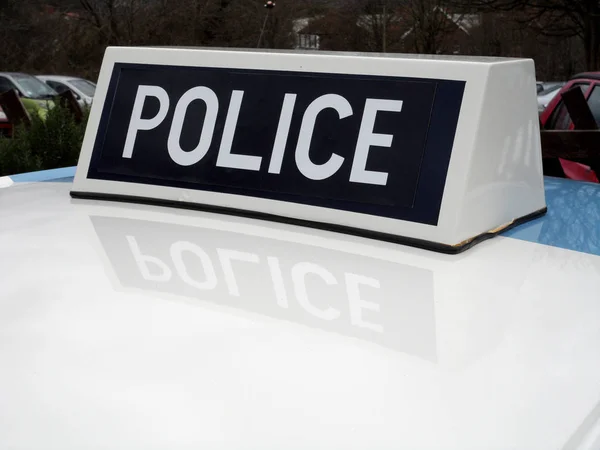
{"points": [[587, 75], [59, 77], [14, 73], [203, 328]]}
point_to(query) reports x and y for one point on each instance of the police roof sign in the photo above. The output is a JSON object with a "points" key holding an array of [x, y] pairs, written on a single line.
{"points": [[287, 135], [437, 152]]}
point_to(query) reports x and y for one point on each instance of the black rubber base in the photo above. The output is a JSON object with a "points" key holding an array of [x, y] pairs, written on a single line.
{"points": [[413, 242]]}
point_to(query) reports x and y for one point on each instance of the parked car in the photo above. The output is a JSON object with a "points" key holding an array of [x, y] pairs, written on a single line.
{"points": [[36, 96], [539, 86], [5, 126], [546, 96], [26, 85], [83, 89], [556, 117]]}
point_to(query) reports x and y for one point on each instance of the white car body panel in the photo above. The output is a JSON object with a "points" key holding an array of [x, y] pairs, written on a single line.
{"points": [[66, 80], [494, 348], [544, 98]]}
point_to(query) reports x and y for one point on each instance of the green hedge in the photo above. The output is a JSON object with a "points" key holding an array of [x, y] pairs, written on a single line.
{"points": [[50, 143]]}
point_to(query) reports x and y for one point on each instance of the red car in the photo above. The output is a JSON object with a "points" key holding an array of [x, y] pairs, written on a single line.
{"points": [[556, 117], [5, 126]]}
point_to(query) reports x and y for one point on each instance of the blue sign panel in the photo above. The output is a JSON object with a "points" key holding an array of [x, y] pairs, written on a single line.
{"points": [[367, 144]]}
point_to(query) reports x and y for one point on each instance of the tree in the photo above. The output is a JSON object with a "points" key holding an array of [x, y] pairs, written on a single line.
{"points": [[554, 18], [421, 26], [433, 24], [32, 34], [243, 21]]}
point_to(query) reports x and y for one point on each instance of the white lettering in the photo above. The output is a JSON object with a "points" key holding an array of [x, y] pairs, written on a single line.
{"points": [[283, 129], [299, 272], [278, 285], [177, 251], [303, 161], [366, 139], [357, 304], [176, 153], [225, 157], [144, 262], [226, 256], [137, 123]]}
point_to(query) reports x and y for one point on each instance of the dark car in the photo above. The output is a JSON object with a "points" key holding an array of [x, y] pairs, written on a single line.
{"points": [[35, 95]]}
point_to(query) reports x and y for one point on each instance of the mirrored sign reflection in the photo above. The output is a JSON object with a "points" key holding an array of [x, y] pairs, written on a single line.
{"points": [[358, 296]]}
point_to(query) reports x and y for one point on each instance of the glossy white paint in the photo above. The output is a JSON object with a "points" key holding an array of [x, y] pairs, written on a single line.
{"points": [[84, 98], [495, 173], [138, 327], [5, 182]]}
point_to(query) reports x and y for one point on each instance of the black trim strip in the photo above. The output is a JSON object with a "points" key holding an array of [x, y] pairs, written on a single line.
{"points": [[377, 235]]}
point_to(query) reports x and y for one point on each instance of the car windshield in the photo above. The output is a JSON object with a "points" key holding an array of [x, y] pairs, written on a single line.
{"points": [[84, 86], [33, 88], [551, 89]]}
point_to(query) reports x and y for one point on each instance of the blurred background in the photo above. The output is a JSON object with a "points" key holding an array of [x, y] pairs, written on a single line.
{"points": [[69, 36], [51, 52]]}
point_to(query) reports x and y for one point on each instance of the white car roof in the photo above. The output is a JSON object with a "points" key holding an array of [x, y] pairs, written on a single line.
{"points": [[58, 77], [133, 326]]}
